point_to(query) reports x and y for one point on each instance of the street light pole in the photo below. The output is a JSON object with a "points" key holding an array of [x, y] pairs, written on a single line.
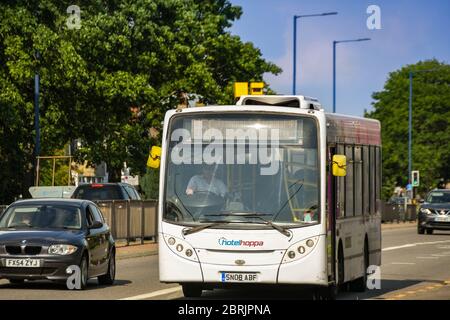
{"points": [[294, 64], [410, 127], [37, 147], [294, 71], [334, 76], [334, 65]]}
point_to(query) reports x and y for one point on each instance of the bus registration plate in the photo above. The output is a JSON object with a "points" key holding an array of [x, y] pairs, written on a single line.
{"points": [[239, 277]]}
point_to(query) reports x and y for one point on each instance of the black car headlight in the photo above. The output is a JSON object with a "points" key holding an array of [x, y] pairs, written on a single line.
{"points": [[62, 249]]}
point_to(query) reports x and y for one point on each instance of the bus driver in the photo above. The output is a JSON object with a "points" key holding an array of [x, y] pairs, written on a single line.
{"points": [[206, 182]]}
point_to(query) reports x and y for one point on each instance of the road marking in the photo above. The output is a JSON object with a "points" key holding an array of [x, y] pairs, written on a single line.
{"points": [[416, 290], [154, 294], [427, 257], [414, 245], [405, 263]]}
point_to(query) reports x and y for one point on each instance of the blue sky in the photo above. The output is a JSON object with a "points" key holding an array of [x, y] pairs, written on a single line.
{"points": [[412, 30]]}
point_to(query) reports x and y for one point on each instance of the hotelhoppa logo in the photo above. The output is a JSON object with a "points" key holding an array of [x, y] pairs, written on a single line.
{"points": [[264, 148], [240, 243]]}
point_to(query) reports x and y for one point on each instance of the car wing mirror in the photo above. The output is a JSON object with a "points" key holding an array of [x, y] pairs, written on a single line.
{"points": [[96, 225]]}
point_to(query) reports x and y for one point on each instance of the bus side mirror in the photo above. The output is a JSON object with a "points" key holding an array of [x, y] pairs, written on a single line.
{"points": [[339, 165], [154, 159]]}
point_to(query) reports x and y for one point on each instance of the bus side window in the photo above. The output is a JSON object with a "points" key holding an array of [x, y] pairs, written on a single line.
{"points": [[349, 182], [340, 197], [366, 180], [357, 188], [372, 180], [378, 178]]}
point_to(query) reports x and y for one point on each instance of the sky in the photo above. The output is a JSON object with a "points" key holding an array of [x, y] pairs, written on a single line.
{"points": [[411, 30]]}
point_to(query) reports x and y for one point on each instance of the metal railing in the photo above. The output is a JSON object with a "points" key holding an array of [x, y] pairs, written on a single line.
{"points": [[131, 219], [398, 212]]}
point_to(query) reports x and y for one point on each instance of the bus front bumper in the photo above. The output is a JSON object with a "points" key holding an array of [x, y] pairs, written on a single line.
{"points": [[309, 270]]}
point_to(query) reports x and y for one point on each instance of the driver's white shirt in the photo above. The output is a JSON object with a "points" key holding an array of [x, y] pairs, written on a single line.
{"points": [[199, 183]]}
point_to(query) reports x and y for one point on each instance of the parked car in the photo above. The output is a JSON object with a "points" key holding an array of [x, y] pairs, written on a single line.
{"points": [[40, 239], [434, 213], [106, 191]]}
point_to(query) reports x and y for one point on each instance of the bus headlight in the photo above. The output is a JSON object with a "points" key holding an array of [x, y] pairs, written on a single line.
{"points": [[181, 248], [303, 248]]}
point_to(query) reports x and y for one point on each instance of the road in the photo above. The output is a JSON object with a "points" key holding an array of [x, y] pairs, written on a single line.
{"points": [[413, 267]]}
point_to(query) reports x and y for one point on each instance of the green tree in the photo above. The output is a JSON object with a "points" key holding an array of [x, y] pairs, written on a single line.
{"points": [[431, 120], [127, 53]]}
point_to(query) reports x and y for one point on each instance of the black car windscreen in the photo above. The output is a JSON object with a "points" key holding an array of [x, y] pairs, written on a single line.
{"points": [[98, 193]]}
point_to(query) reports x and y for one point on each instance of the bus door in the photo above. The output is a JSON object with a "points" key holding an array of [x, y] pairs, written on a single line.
{"points": [[332, 213]]}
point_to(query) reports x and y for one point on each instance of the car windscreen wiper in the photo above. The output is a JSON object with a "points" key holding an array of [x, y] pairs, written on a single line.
{"points": [[277, 227], [14, 226], [204, 226]]}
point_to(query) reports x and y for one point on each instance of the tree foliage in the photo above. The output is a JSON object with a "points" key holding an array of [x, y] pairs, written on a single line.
{"points": [[127, 54], [430, 128]]}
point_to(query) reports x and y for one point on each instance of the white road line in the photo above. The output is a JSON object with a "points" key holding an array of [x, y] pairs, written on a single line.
{"points": [[427, 257], [154, 294], [414, 245], [405, 263]]}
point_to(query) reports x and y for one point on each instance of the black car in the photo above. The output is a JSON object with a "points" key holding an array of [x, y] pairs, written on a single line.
{"points": [[434, 213], [40, 239], [106, 191]]}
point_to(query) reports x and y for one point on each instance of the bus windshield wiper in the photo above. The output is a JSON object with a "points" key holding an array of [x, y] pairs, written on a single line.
{"points": [[277, 227], [203, 227]]}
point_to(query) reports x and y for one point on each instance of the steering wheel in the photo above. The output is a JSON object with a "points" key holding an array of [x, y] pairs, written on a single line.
{"points": [[203, 199]]}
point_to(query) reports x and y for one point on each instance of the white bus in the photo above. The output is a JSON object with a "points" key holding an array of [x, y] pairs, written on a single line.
{"points": [[261, 193]]}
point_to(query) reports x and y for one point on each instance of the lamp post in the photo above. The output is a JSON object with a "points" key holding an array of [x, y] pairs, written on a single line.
{"points": [[334, 65], [37, 147], [295, 43]]}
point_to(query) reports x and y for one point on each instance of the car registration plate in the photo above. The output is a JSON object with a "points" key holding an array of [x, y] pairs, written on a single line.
{"points": [[23, 263], [443, 219], [239, 277]]}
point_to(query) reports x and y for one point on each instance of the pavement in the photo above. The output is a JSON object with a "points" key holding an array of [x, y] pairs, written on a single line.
{"points": [[124, 251], [414, 267]]}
